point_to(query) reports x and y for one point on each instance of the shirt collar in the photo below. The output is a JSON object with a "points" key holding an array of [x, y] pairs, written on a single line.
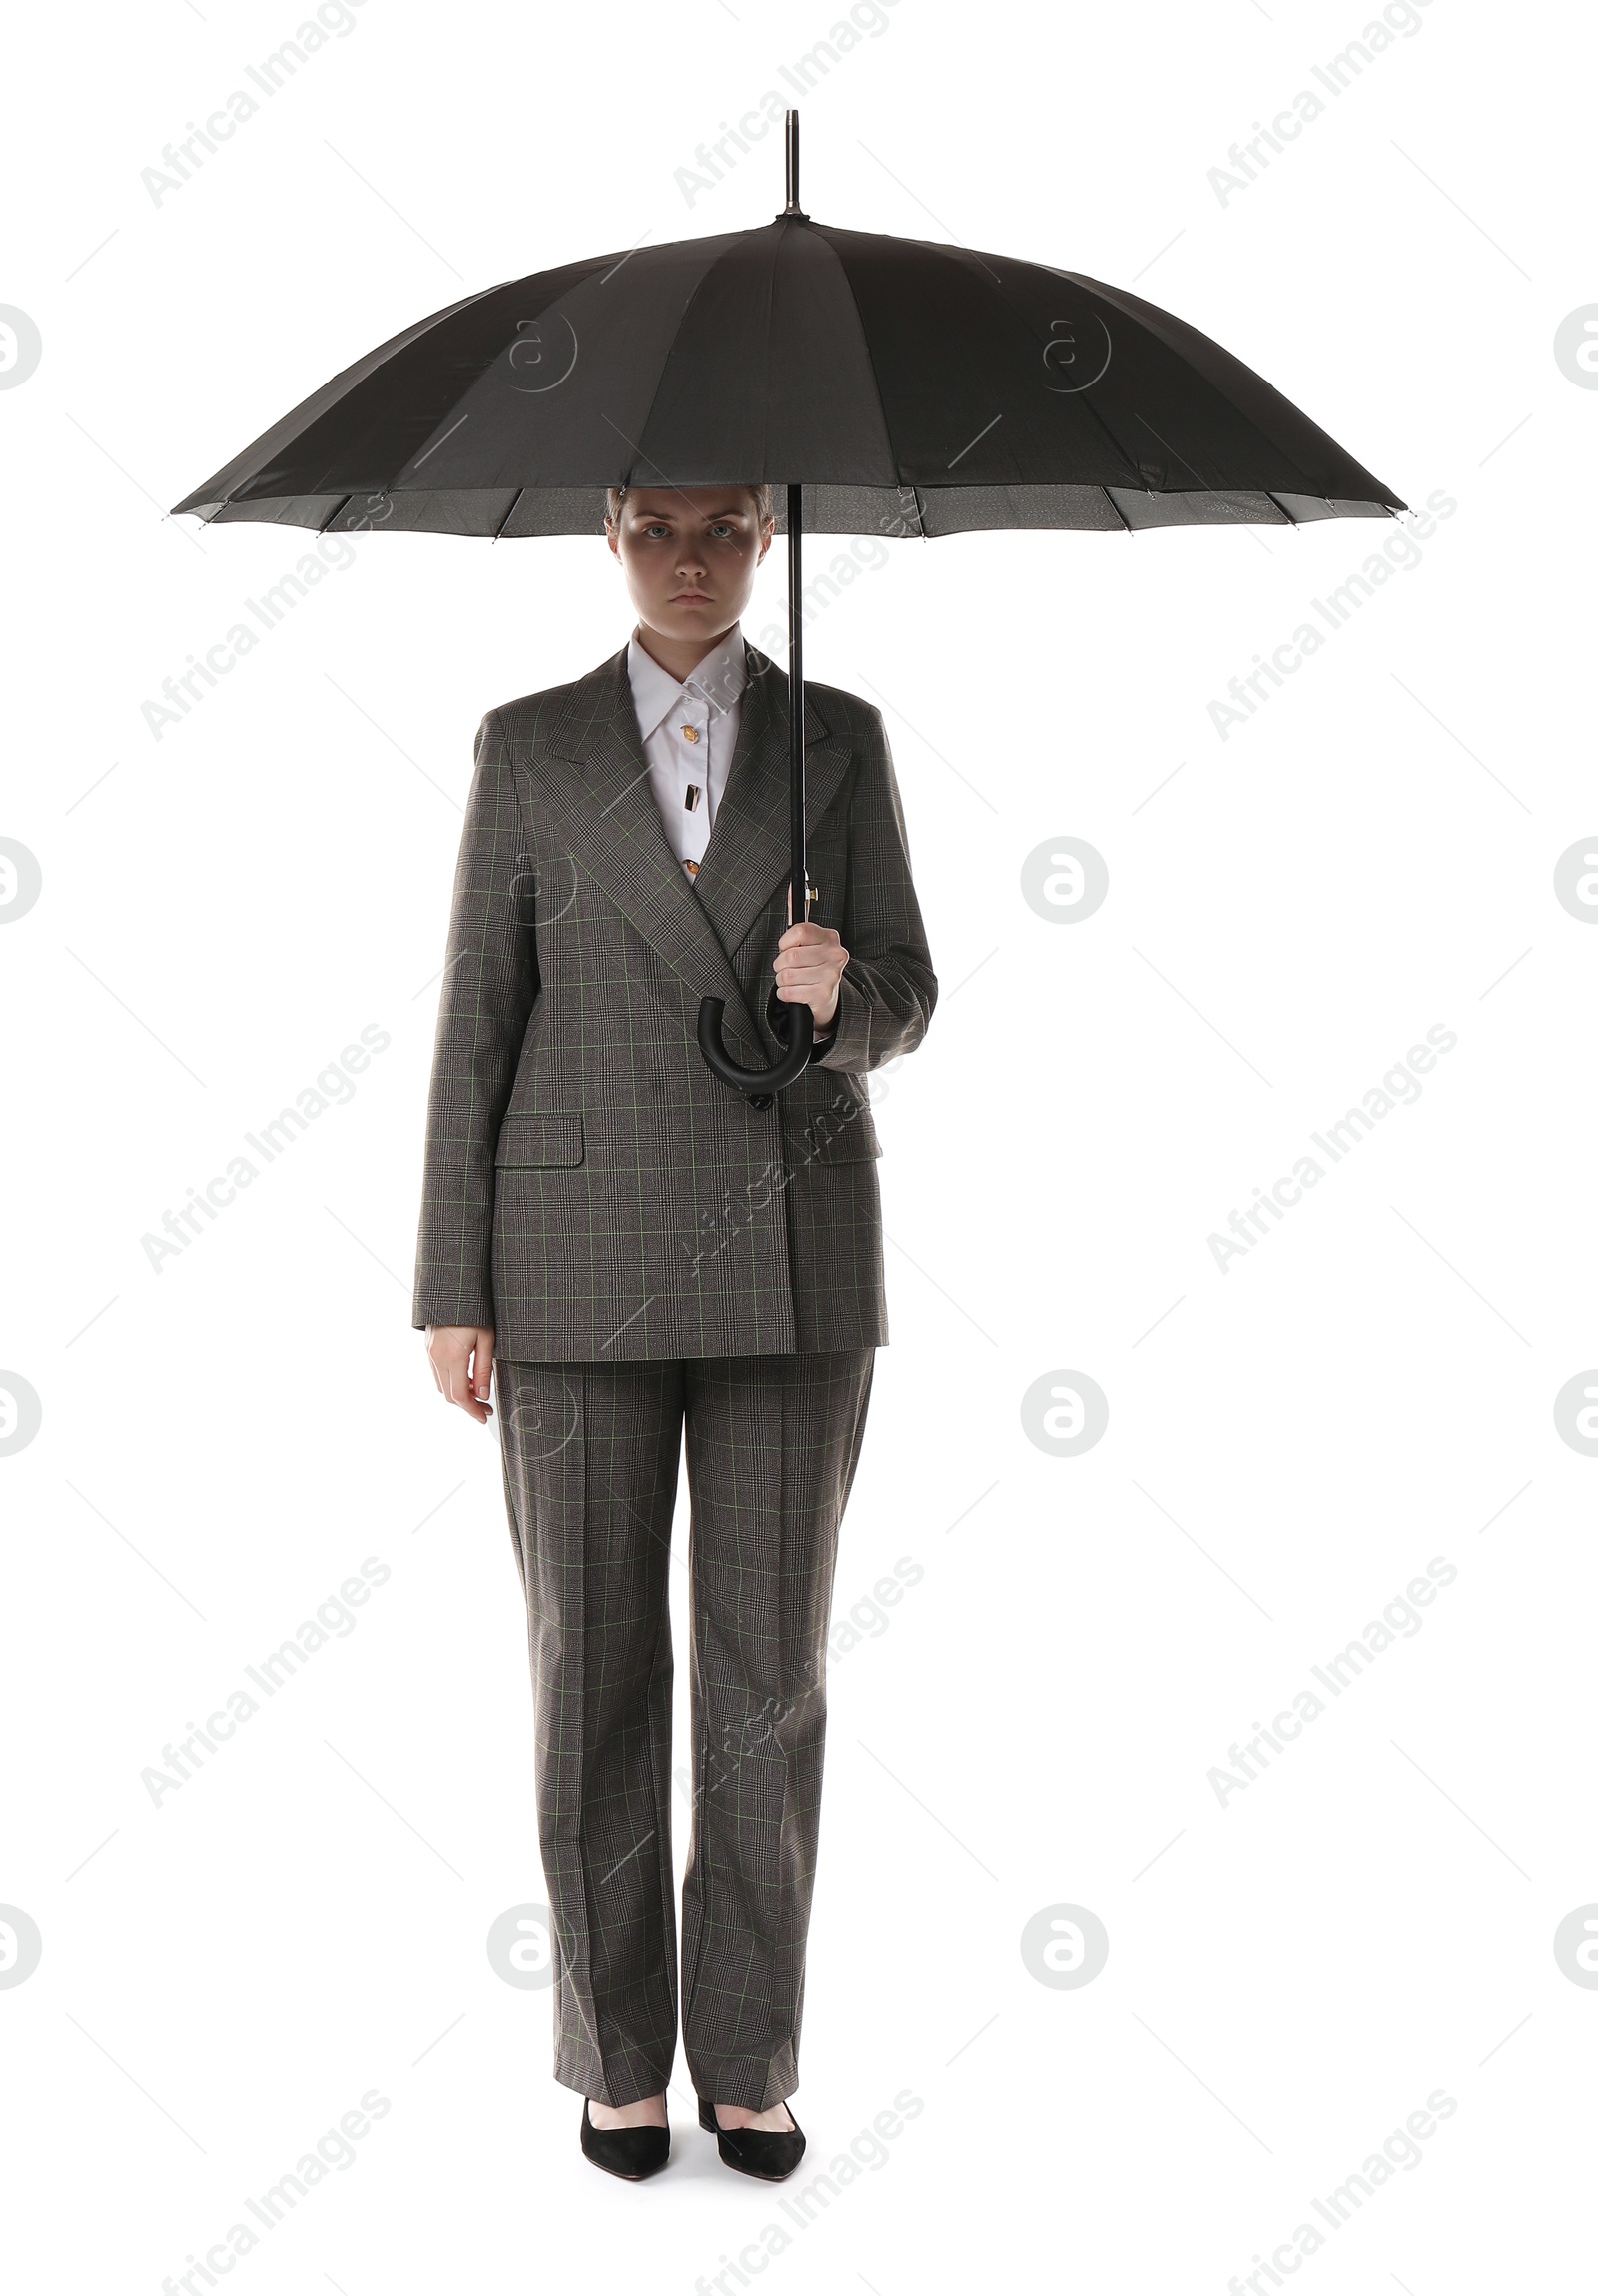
{"points": [[718, 681]]}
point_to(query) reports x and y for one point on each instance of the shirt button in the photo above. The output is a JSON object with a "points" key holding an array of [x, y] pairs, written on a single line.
{"points": [[690, 733]]}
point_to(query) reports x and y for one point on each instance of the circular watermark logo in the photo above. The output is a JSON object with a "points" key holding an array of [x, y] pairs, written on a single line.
{"points": [[1576, 1946], [1064, 1947], [20, 347], [539, 1421], [21, 1413], [550, 886], [1576, 347], [1576, 1413], [20, 1945], [1076, 352], [522, 1948], [543, 354], [21, 879], [1576, 880], [1064, 880], [1063, 1413]]}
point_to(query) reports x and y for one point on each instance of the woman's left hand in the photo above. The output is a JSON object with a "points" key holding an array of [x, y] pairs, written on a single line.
{"points": [[810, 963]]}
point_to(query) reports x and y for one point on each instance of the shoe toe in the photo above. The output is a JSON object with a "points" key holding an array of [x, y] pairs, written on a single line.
{"points": [[770, 2154], [632, 2154]]}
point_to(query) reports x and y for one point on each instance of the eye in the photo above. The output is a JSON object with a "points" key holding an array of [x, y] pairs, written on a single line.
{"points": [[722, 528], [656, 529]]}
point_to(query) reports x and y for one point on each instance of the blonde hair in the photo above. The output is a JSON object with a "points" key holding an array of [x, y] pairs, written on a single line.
{"points": [[762, 494]]}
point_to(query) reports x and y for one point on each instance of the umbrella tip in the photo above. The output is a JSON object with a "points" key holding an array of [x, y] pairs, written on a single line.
{"points": [[791, 139]]}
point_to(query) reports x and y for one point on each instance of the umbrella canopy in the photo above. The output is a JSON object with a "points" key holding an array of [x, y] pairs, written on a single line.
{"points": [[912, 388], [885, 385]]}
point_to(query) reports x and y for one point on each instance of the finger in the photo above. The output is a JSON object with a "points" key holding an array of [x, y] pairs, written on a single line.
{"points": [[796, 969], [827, 951], [482, 1365], [457, 1380]]}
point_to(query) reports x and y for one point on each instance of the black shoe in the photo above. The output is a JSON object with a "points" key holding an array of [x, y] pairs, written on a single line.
{"points": [[768, 2152], [630, 2153]]}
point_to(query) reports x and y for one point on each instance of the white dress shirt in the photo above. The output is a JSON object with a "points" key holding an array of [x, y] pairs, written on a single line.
{"points": [[689, 731]]}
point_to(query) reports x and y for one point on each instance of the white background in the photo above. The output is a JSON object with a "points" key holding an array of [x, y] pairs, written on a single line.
{"points": [[1289, 1442]]}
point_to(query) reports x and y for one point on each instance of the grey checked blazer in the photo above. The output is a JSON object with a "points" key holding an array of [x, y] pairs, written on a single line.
{"points": [[592, 1191]]}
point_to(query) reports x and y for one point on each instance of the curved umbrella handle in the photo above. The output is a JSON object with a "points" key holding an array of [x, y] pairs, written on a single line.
{"points": [[761, 1085]]}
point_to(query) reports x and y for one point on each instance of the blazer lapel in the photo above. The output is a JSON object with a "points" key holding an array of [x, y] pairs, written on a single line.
{"points": [[748, 857], [594, 782]]}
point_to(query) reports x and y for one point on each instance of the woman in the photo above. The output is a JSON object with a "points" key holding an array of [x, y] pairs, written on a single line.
{"points": [[649, 1255]]}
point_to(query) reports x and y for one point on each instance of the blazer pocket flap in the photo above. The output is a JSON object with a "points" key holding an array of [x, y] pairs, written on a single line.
{"points": [[839, 1132], [547, 1137]]}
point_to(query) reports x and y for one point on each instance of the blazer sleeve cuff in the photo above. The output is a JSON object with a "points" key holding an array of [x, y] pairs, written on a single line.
{"points": [[434, 1313], [776, 1010], [849, 1045]]}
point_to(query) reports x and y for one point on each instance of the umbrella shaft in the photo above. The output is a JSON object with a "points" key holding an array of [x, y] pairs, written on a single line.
{"points": [[798, 878]]}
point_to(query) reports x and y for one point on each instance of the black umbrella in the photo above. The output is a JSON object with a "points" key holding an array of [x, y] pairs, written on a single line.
{"points": [[892, 386]]}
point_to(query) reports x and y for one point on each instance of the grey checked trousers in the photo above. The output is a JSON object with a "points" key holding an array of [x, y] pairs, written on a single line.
{"points": [[591, 1454]]}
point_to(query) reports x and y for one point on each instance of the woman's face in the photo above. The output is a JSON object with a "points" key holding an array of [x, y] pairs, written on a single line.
{"points": [[689, 555]]}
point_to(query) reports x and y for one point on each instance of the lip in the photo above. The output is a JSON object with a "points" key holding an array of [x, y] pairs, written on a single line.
{"points": [[691, 598]]}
